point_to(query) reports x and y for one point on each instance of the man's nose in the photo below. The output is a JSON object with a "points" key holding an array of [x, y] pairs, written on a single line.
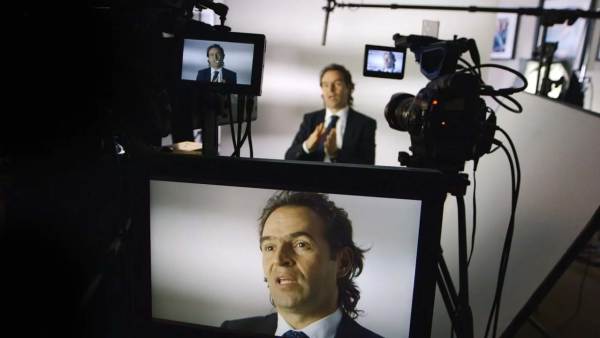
{"points": [[285, 256], [330, 89]]}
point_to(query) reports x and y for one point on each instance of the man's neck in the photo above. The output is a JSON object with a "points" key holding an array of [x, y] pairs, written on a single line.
{"points": [[336, 110], [299, 320]]}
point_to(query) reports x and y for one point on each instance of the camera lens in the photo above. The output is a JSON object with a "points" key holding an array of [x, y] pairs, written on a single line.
{"points": [[400, 113]]}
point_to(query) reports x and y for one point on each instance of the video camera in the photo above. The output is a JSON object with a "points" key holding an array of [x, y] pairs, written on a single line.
{"points": [[448, 121]]}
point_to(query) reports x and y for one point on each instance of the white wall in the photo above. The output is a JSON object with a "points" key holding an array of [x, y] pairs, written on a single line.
{"points": [[559, 146]]}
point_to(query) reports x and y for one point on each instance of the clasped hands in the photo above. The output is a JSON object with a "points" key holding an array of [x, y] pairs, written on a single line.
{"points": [[329, 140]]}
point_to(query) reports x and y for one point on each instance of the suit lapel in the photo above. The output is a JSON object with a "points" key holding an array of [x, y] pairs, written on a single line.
{"points": [[318, 118], [271, 323], [347, 328], [350, 131]]}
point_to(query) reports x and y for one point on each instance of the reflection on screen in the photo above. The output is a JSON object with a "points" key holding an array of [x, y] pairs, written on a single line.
{"points": [[557, 71], [384, 61], [206, 264], [236, 62]]}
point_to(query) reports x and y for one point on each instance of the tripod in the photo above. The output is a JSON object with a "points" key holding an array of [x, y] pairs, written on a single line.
{"points": [[457, 304]]}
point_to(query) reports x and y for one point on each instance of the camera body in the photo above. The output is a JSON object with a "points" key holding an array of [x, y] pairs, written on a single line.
{"points": [[447, 120]]}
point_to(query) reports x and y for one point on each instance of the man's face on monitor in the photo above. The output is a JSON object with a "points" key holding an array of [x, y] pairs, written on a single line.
{"points": [[334, 89], [301, 275], [388, 60], [215, 58]]}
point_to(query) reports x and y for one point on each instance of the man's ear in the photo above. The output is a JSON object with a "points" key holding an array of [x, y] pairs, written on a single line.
{"points": [[344, 262]]}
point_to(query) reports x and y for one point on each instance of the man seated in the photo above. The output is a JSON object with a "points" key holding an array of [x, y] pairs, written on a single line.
{"points": [[216, 72], [337, 133]]}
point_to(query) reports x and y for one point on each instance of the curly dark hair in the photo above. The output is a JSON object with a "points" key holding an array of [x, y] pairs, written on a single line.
{"points": [[338, 233]]}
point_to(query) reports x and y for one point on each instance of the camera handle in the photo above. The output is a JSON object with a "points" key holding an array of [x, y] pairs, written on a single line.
{"points": [[457, 305]]}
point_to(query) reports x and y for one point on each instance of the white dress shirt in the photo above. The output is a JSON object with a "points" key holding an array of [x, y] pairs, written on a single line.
{"points": [[340, 128], [322, 328], [212, 73]]}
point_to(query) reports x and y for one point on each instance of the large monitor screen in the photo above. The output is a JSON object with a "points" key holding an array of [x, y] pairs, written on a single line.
{"points": [[207, 265], [206, 258]]}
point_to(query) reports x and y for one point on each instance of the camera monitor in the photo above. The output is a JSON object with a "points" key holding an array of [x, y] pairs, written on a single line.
{"points": [[202, 261], [383, 61], [224, 61]]}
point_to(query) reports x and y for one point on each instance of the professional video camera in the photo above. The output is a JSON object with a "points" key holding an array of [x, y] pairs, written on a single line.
{"points": [[448, 121]]}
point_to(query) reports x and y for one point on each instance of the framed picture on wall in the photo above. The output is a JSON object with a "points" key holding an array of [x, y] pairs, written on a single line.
{"points": [[570, 38], [505, 36]]}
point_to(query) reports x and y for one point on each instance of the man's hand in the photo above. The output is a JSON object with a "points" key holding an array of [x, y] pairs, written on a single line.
{"points": [[330, 144], [313, 140]]}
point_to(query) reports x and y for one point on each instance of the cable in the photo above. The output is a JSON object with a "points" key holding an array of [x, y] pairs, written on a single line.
{"points": [[518, 165], [245, 105], [231, 127], [487, 90], [249, 109], [507, 244], [473, 230], [499, 283], [511, 99], [516, 186], [470, 67], [240, 111]]}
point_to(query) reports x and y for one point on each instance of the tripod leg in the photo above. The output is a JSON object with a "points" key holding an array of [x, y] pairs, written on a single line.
{"points": [[463, 307], [447, 290]]}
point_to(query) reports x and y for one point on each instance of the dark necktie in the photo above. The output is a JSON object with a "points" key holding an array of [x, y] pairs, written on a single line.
{"points": [[215, 76], [331, 125], [294, 334]]}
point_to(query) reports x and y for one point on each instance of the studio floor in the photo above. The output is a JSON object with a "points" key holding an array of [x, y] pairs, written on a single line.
{"points": [[572, 307]]}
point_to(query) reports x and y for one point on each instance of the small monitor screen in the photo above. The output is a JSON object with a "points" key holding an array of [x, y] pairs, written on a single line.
{"points": [[383, 61], [208, 267], [233, 58], [224, 61]]}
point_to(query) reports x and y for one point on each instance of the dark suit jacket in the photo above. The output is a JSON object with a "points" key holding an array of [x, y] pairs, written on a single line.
{"points": [[348, 328], [358, 144], [228, 75]]}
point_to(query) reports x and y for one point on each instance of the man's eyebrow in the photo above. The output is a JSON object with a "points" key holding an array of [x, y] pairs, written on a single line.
{"points": [[292, 235], [300, 234], [265, 238]]}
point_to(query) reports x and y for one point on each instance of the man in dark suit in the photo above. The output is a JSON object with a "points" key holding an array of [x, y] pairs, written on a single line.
{"points": [[216, 72], [310, 262], [337, 133]]}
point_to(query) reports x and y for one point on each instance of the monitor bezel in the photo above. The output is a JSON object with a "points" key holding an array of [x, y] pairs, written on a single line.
{"points": [[428, 186], [257, 40], [385, 75]]}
